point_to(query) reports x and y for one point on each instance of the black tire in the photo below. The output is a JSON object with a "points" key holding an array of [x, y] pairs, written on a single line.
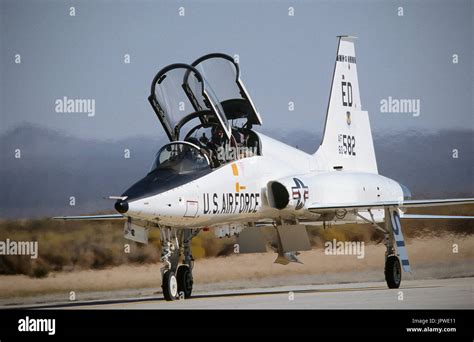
{"points": [[184, 277], [169, 286], [393, 272]]}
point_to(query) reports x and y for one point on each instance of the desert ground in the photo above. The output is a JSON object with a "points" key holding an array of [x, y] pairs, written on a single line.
{"points": [[449, 256]]}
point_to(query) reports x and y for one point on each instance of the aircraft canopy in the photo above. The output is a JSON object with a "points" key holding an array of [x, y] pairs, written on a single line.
{"points": [[209, 90], [223, 73], [177, 99]]}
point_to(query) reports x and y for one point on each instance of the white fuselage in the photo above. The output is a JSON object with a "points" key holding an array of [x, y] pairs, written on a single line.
{"points": [[238, 191]]}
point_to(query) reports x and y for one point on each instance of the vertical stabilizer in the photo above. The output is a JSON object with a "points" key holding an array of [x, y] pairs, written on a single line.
{"points": [[347, 141]]}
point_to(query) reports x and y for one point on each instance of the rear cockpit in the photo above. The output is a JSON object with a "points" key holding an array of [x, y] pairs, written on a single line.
{"points": [[205, 109]]}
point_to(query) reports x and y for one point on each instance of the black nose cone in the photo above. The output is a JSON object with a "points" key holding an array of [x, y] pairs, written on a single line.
{"points": [[121, 206]]}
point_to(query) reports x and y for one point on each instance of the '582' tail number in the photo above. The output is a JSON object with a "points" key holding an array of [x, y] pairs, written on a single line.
{"points": [[346, 144]]}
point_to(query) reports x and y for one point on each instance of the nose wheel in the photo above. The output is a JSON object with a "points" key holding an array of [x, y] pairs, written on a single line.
{"points": [[179, 285], [184, 278], [170, 286]]}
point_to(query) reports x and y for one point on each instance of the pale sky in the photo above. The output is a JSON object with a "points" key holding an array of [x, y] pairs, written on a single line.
{"points": [[283, 58]]}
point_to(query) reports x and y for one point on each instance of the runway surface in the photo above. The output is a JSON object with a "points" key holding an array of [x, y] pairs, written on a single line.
{"points": [[413, 294]]}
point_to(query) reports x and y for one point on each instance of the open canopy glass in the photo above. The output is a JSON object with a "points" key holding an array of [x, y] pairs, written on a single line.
{"points": [[209, 90], [222, 72], [180, 94]]}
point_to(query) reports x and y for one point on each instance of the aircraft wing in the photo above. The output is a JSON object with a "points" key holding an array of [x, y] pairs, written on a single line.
{"points": [[383, 204], [91, 217]]}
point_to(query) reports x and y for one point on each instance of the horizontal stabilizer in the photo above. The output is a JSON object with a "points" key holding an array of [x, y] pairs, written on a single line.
{"points": [[386, 204], [434, 217], [91, 217]]}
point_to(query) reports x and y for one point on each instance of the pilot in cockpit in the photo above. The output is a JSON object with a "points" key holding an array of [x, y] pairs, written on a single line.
{"points": [[216, 143], [217, 138]]}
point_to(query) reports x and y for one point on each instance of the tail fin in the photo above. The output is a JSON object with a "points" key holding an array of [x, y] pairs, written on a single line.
{"points": [[347, 141]]}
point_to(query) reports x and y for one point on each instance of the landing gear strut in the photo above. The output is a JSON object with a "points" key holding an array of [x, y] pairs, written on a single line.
{"points": [[393, 267], [393, 270], [177, 280]]}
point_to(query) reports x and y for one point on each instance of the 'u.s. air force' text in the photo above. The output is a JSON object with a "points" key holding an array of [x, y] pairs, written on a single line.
{"points": [[230, 203]]}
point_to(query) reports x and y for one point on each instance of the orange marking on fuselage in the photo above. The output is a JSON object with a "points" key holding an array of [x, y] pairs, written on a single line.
{"points": [[235, 169]]}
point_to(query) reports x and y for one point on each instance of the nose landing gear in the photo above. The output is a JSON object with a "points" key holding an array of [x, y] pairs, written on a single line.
{"points": [[177, 280], [185, 281]]}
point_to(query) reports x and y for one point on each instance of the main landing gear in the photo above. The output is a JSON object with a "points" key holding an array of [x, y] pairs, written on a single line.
{"points": [[177, 280], [393, 271], [392, 236]]}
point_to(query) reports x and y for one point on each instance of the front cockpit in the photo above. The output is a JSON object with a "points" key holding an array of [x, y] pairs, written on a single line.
{"points": [[180, 158], [205, 105]]}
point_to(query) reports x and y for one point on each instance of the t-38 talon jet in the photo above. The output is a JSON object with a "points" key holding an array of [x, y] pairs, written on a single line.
{"points": [[218, 172]]}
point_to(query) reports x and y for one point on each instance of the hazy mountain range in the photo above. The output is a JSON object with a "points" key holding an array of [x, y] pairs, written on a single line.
{"points": [[53, 167]]}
